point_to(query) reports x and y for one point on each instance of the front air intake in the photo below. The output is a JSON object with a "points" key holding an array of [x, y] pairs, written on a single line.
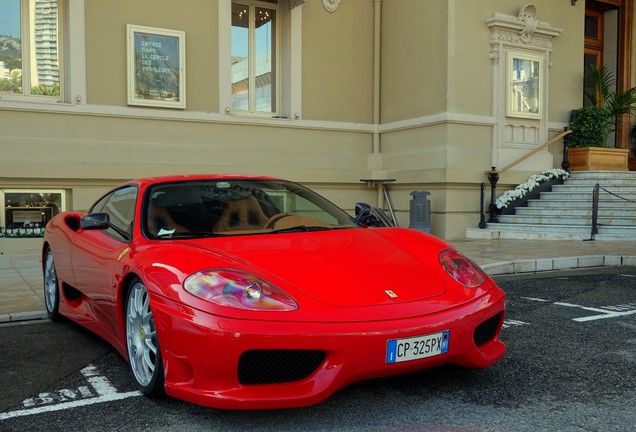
{"points": [[487, 330], [278, 366]]}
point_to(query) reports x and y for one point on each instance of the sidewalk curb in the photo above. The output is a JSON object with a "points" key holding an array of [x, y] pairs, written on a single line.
{"points": [[556, 264], [23, 316]]}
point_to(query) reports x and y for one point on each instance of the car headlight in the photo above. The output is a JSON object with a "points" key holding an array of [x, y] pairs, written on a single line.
{"points": [[461, 268], [239, 290]]}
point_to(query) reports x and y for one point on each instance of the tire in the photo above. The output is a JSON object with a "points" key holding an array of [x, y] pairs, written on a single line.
{"points": [[51, 287], [144, 355]]}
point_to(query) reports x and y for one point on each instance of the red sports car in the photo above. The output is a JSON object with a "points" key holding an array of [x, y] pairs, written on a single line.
{"points": [[255, 292]]}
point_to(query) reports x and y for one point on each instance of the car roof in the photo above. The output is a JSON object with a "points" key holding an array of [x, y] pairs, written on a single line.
{"points": [[196, 177]]}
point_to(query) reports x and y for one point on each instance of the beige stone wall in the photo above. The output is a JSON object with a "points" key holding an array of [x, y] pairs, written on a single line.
{"points": [[414, 59], [437, 122], [337, 62], [106, 47]]}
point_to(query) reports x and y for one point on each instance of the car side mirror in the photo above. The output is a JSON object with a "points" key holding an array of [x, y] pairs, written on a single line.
{"points": [[95, 221], [364, 216]]}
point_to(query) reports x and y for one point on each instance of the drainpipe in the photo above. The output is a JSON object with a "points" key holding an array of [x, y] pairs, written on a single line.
{"points": [[377, 33]]}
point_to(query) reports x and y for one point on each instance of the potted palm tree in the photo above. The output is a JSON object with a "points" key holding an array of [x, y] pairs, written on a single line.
{"points": [[592, 124]]}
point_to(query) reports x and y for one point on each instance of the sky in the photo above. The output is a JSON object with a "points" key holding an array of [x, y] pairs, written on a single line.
{"points": [[10, 18]]}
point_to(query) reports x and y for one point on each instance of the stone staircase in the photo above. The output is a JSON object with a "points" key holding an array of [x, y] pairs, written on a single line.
{"points": [[565, 213]]}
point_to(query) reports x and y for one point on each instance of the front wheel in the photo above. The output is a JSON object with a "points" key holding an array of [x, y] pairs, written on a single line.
{"points": [[144, 355], [51, 287]]}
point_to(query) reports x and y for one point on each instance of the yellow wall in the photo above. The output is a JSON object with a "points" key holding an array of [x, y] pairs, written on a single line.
{"points": [[106, 47], [414, 59], [437, 124], [337, 62]]}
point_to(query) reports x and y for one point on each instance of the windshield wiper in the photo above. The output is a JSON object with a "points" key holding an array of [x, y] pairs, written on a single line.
{"points": [[302, 228], [187, 234]]}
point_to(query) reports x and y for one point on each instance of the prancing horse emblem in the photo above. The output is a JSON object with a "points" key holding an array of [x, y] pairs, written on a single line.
{"points": [[391, 293]]}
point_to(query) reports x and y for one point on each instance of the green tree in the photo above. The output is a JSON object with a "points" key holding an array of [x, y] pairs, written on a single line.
{"points": [[46, 90]]}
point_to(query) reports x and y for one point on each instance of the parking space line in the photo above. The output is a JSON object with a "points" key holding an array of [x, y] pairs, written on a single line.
{"points": [[82, 396]]}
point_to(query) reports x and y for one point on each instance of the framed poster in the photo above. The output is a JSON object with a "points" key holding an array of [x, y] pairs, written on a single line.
{"points": [[524, 86], [156, 67]]}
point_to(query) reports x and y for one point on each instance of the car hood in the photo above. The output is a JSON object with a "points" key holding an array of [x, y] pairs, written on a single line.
{"points": [[341, 268]]}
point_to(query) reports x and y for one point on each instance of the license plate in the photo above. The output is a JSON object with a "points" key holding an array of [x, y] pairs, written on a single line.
{"points": [[419, 347]]}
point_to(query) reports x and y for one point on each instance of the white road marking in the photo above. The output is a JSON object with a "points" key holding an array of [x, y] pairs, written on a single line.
{"points": [[72, 398], [604, 311], [510, 322]]}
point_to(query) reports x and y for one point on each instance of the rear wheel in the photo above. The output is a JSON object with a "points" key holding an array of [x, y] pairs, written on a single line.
{"points": [[144, 355], [51, 287]]}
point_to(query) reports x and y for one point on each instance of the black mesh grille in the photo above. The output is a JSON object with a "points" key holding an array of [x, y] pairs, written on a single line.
{"points": [[277, 366], [487, 330]]}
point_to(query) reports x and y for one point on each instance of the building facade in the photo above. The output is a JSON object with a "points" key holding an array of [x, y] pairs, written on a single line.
{"points": [[344, 96]]}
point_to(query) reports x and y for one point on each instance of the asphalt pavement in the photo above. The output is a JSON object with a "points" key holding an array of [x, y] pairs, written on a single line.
{"points": [[569, 367]]}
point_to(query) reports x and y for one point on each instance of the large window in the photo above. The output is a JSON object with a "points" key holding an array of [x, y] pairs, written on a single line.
{"points": [[30, 48], [25, 213], [255, 56]]}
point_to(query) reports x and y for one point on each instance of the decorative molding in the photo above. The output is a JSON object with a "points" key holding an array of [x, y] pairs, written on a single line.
{"points": [[524, 31], [294, 3], [523, 36], [529, 16], [331, 5]]}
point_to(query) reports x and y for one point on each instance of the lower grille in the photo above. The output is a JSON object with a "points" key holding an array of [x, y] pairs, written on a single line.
{"points": [[278, 366], [487, 330]]}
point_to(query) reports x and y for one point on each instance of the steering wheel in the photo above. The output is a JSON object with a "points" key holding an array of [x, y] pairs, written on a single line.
{"points": [[272, 221]]}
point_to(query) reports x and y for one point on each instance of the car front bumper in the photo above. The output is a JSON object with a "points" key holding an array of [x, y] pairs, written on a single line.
{"points": [[203, 354]]}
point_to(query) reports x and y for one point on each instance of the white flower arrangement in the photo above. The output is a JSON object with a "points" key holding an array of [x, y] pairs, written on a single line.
{"points": [[533, 181]]}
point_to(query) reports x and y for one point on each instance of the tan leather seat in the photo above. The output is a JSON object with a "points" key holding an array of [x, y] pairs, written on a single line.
{"points": [[241, 214], [159, 217], [291, 221]]}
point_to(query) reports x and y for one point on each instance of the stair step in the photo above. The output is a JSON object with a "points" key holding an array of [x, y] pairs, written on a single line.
{"points": [[566, 211], [629, 221], [550, 232], [569, 211], [581, 203], [602, 175], [631, 196], [616, 188], [607, 183], [603, 229]]}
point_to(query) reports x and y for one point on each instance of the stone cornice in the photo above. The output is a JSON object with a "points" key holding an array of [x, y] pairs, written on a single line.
{"points": [[523, 31]]}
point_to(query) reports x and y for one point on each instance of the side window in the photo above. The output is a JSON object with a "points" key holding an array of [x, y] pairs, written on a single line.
{"points": [[99, 205], [30, 48], [120, 208]]}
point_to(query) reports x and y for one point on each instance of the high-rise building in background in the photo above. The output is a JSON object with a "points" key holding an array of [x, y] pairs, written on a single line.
{"points": [[45, 43]]}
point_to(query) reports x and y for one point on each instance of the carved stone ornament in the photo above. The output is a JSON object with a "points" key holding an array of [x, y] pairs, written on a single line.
{"points": [[331, 5], [522, 31], [528, 14]]}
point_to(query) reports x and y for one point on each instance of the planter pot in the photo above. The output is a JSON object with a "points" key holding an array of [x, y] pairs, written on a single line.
{"points": [[598, 158], [535, 193]]}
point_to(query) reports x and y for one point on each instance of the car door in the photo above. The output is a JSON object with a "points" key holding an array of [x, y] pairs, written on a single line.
{"points": [[95, 255]]}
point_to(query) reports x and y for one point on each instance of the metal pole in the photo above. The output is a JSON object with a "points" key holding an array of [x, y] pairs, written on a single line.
{"points": [[595, 196], [388, 203], [493, 178], [482, 209], [565, 164]]}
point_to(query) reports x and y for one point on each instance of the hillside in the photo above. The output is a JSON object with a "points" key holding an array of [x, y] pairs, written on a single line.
{"points": [[10, 52]]}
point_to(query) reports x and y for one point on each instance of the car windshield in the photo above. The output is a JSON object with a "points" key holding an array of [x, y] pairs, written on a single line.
{"points": [[219, 207]]}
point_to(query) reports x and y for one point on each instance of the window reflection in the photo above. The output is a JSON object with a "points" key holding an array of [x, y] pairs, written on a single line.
{"points": [[26, 213], [253, 58], [30, 63]]}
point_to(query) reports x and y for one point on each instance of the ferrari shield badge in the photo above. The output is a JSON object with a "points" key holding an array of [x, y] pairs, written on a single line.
{"points": [[390, 293]]}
